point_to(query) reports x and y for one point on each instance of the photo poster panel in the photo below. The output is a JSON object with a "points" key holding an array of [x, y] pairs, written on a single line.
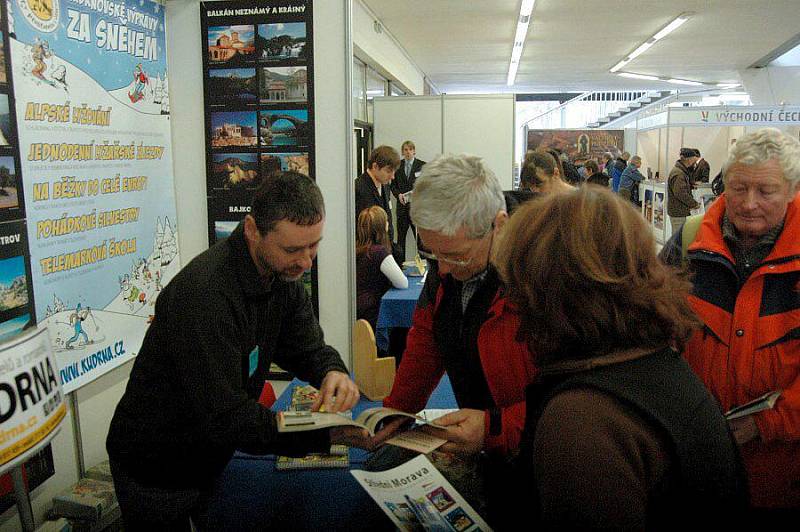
{"points": [[16, 290], [92, 106], [259, 104], [579, 144]]}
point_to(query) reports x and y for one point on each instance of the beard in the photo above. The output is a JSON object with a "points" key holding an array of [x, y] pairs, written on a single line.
{"points": [[287, 273]]}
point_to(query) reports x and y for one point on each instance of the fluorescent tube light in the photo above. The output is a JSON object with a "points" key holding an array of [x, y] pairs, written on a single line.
{"points": [[728, 85], [672, 26], [638, 76], [524, 20], [619, 65], [682, 81], [663, 32], [526, 8], [639, 51]]}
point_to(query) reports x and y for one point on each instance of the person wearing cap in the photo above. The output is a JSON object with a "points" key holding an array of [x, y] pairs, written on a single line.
{"points": [[680, 201]]}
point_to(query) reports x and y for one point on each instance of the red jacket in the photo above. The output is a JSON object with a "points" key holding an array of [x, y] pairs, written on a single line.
{"points": [[750, 345], [507, 366]]}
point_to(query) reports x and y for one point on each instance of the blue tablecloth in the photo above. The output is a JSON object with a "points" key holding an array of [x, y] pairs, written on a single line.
{"points": [[253, 495], [397, 309]]}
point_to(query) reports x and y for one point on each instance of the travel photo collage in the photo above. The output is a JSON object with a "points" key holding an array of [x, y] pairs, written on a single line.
{"points": [[258, 110], [258, 76]]}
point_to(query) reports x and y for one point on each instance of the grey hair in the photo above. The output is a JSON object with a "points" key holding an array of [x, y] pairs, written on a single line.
{"points": [[763, 145], [635, 159], [455, 191]]}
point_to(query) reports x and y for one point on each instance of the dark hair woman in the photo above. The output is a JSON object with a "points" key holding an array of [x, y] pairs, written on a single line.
{"points": [[619, 433]]}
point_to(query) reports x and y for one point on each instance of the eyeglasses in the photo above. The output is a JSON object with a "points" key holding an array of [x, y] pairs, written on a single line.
{"points": [[459, 263], [453, 262]]}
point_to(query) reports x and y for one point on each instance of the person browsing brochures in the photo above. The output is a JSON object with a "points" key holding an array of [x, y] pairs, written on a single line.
{"points": [[463, 324], [189, 403]]}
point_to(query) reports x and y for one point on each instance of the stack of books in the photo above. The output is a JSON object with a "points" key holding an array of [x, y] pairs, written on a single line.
{"points": [[91, 503], [338, 457]]}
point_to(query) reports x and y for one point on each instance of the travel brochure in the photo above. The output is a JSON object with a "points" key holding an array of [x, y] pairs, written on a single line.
{"points": [[416, 496]]}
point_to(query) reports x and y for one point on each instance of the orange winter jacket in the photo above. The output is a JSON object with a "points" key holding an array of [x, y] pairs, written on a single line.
{"points": [[750, 345]]}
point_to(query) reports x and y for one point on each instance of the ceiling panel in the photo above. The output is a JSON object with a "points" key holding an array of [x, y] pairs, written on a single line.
{"points": [[465, 45]]}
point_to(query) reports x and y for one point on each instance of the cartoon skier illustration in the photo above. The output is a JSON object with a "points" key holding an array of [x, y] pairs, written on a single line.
{"points": [[76, 320], [39, 52], [59, 76], [140, 82]]}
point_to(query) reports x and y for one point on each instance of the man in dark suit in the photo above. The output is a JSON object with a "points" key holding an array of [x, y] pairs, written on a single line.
{"points": [[403, 183], [372, 187]]}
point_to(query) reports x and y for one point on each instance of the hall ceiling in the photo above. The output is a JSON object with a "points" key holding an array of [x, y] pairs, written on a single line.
{"points": [[464, 46]]}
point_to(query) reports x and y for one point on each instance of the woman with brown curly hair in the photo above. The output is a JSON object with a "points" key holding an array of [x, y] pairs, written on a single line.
{"points": [[619, 434]]}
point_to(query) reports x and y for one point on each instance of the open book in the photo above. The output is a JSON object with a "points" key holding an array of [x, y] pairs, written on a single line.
{"points": [[369, 419], [764, 402]]}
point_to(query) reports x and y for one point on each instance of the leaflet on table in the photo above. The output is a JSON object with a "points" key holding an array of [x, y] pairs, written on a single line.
{"points": [[415, 495]]}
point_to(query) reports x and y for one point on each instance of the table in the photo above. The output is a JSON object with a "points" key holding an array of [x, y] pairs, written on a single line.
{"points": [[396, 310], [253, 495]]}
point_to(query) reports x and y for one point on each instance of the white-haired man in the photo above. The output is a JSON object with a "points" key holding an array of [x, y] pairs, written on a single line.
{"points": [[463, 324], [746, 262]]}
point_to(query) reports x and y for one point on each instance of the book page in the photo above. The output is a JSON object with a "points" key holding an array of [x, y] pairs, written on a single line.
{"points": [[417, 440], [415, 495]]}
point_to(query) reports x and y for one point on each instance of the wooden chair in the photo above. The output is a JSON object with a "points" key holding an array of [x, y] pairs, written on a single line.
{"points": [[374, 376]]}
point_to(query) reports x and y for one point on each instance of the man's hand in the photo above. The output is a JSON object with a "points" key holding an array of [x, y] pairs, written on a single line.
{"points": [[351, 436], [465, 431], [337, 393], [744, 429], [402, 198], [390, 429]]}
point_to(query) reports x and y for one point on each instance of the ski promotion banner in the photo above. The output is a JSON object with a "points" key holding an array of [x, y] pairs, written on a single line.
{"points": [[31, 402], [92, 111]]}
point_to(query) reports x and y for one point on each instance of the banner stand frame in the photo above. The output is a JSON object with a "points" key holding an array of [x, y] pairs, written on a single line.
{"points": [[76, 430], [23, 500]]}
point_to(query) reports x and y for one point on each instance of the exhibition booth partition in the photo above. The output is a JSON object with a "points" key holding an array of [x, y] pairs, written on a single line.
{"points": [[663, 131]]}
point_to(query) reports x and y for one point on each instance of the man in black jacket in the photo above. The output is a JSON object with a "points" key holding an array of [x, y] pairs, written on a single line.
{"points": [[702, 170], [190, 401], [403, 184], [372, 187]]}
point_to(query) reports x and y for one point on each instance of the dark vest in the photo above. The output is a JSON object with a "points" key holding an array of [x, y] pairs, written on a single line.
{"points": [[708, 481]]}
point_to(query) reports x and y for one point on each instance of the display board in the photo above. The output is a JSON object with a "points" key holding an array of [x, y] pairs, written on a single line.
{"points": [[480, 125], [415, 118], [579, 144], [259, 103], [90, 92]]}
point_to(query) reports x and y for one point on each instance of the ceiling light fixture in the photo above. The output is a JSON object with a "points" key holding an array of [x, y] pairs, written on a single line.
{"points": [[638, 76], [523, 22], [683, 81], [663, 32], [634, 75]]}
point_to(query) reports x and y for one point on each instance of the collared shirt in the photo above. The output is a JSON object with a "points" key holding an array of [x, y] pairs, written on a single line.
{"points": [[746, 261], [469, 287], [409, 164]]}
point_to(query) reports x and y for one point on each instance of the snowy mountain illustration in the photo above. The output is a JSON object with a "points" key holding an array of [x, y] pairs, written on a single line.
{"points": [[75, 326]]}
